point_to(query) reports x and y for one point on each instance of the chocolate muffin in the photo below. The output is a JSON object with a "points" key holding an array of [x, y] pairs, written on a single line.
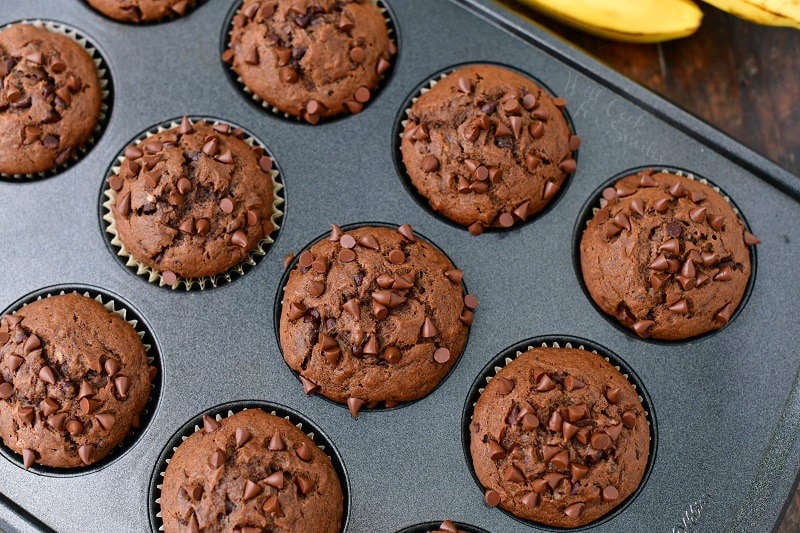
{"points": [[310, 59], [666, 255], [74, 381], [373, 315], [49, 99], [142, 10], [250, 472], [487, 147], [193, 201], [559, 437]]}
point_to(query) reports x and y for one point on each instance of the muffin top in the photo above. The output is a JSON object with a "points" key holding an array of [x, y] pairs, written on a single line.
{"points": [[141, 10], [666, 255], [373, 315], [74, 381], [193, 200], [49, 99], [487, 147], [311, 59], [559, 437], [251, 472]]}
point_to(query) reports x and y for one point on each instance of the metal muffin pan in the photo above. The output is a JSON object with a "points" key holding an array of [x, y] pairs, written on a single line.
{"points": [[728, 404]]}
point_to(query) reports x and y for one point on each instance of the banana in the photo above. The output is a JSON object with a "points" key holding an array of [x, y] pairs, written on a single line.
{"points": [[775, 13], [638, 21]]}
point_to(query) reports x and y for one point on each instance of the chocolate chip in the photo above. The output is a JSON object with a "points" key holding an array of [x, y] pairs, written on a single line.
{"points": [[28, 457], [123, 385], [724, 314], [85, 453], [47, 375], [642, 328], [209, 424], [397, 257], [454, 275], [105, 420], [74, 427], [574, 142], [698, 215], [429, 330], [430, 163], [574, 510], [476, 228], [505, 220], [568, 166], [382, 66], [354, 405], [750, 239], [545, 384], [441, 355], [492, 498], [629, 419], [610, 493], [550, 190], [362, 95], [6, 391]]}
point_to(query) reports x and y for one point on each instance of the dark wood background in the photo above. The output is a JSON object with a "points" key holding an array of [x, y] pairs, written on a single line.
{"points": [[738, 76]]}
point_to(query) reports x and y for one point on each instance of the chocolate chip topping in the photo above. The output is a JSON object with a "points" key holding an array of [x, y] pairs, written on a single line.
{"points": [[664, 255], [193, 204], [487, 147], [310, 61], [63, 398], [579, 465], [389, 323], [49, 99], [251, 482]]}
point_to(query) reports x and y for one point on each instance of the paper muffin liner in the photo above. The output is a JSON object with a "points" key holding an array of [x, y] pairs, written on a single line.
{"points": [[225, 410], [592, 206], [106, 95], [117, 305], [434, 526], [391, 29], [278, 307], [402, 120], [108, 199], [501, 360]]}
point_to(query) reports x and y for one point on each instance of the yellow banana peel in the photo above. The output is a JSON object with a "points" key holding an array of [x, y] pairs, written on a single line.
{"points": [[638, 21], [770, 13]]}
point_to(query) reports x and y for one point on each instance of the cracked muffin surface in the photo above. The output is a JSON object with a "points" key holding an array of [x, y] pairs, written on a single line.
{"points": [[193, 200], [559, 436], [666, 255], [311, 58], [373, 315], [141, 10], [74, 379], [49, 99], [251, 472], [487, 147]]}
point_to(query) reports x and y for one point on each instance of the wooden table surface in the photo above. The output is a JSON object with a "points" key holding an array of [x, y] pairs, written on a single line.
{"points": [[740, 77]]}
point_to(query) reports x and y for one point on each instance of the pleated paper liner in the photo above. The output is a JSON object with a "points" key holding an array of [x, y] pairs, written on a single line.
{"points": [[278, 307], [191, 6], [118, 305], [237, 81], [106, 93], [509, 354], [436, 526], [225, 410], [108, 198], [402, 119], [592, 206]]}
